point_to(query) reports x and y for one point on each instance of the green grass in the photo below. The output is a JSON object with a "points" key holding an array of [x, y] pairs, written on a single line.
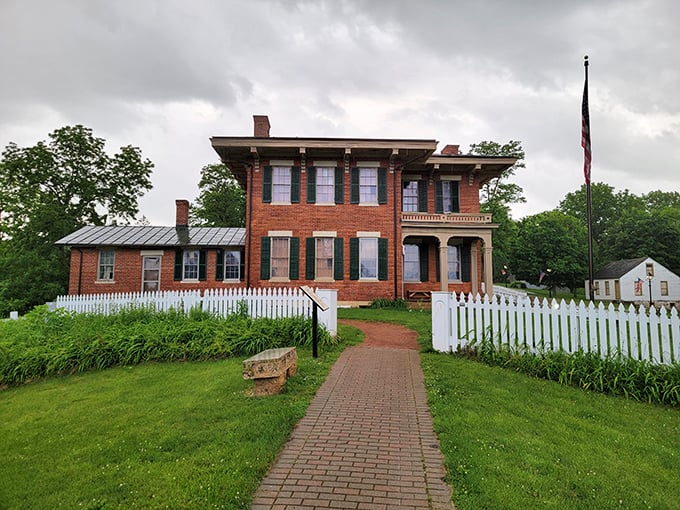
{"points": [[155, 435], [515, 442]]}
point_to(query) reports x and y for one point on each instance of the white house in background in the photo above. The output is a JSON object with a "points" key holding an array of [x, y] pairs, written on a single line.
{"points": [[631, 280]]}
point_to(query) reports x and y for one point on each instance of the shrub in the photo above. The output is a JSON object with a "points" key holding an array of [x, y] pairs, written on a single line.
{"points": [[395, 304]]}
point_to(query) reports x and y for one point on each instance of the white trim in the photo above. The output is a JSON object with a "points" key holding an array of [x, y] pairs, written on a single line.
{"points": [[451, 177], [280, 233], [151, 253], [368, 164], [325, 164], [412, 177], [325, 233], [368, 234], [281, 162]]}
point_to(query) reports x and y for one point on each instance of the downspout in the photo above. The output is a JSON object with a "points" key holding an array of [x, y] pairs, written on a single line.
{"points": [[248, 227], [80, 270]]}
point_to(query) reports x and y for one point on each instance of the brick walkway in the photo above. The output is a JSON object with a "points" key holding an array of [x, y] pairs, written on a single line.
{"points": [[366, 441]]}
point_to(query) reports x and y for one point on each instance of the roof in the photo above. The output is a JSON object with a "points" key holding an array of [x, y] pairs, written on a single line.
{"points": [[155, 236], [618, 268]]}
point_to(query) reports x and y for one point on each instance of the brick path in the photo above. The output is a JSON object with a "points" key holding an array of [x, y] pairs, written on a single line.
{"points": [[366, 441]]}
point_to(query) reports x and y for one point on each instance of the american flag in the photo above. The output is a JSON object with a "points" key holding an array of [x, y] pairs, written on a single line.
{"points": [[585, 129], [638, 286]]}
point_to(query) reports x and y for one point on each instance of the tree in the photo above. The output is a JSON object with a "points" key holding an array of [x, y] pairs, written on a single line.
{"points": [[51, 189], [551, 240], [221, 202], [498, 191]]}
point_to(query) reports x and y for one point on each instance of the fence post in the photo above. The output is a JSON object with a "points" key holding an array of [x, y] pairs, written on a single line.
{"points": [[329, 318], [441, 311]]}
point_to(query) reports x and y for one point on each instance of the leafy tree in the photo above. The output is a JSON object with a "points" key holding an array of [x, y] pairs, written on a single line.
{"points": [[551, 240], [498, 192], [221, 202], [659, 200], [51, 189]]}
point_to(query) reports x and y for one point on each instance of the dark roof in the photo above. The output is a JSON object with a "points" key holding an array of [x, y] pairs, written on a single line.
{"points": [[155, 236], [618, 268]]}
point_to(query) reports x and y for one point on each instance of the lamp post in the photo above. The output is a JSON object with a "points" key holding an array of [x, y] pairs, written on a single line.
{"points": [[649, 281]]}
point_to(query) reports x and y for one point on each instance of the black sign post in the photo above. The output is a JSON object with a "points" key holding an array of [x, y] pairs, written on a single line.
{"points": [[317, 302]]}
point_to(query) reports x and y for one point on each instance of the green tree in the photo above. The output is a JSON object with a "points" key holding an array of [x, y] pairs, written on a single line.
{"points": [[551, 240], [498, 191], [221, 201], [51, 189]]}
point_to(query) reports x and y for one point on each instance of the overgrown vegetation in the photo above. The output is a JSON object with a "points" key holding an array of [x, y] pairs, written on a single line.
{"points": [[46, 343]]}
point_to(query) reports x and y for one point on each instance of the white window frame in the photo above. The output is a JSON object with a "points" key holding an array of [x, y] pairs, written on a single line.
{"points": [[323, 264], [411, 263], [229, 266], [106, 269], [409, 198], [144, 269], [663, 287], [325, 185], [274, 268], [367, 245], [368, 186], [188, 258], [454, 268], [281, 184]]}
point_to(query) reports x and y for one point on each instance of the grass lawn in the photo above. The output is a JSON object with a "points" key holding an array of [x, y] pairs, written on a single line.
{"points": [[167, 435], [514, 442]]}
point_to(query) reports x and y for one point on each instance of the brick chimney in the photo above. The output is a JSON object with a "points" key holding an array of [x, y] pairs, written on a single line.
{"points": [[450, 150], [261, 125], [181, 213]]}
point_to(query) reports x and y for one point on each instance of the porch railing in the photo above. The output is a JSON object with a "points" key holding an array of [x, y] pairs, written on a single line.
{"points": [[452, 218]]}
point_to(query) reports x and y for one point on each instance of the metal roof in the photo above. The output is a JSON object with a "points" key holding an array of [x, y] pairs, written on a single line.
{"points": [[618, 268], [155, 236]]}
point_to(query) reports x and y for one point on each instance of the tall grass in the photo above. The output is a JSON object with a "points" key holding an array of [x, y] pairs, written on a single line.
{"points": [[46, 343]]}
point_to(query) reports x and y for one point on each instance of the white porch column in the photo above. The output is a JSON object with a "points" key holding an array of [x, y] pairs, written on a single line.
{"points": [[444, 265], [474, 278], [488, 268]]}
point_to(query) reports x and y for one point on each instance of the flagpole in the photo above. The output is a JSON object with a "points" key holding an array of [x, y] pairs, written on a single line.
{"points": [[585, 142]]}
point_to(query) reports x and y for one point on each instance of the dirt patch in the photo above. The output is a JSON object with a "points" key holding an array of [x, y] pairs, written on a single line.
{"points": [[384, 334]]}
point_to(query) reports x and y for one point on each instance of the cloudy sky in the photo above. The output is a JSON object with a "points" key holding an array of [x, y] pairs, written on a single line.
{"points": [[167, 75]]}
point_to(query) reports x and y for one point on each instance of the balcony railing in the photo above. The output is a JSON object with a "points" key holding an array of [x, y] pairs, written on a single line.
{"points": [[449, 218]]}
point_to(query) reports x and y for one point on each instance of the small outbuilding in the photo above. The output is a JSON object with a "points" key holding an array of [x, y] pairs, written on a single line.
{"points": [[640, 280]]}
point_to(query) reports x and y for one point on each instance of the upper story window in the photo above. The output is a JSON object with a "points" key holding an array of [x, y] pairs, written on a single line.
{"points": [[281, 184], [106, 264], [190, 265], [446, 197], [368, 185], [410, 196], [411, 263], [325, 185]]}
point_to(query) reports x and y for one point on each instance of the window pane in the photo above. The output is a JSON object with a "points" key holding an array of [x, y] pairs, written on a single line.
{"points": [[411, 263], [368, 185], [410, 196], [232, 265], [106, 262], [324, 257], [325, 185], [368, 258], [280, 257], [281, 184], [446, 196], [454, 263], [190, 265]]}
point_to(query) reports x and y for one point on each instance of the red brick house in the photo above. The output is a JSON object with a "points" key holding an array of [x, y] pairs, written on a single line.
{"points": [[368, 217]]}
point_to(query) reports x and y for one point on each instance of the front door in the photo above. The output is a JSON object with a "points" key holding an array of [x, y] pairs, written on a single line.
{"points": [[151, 273], [617, 290]]}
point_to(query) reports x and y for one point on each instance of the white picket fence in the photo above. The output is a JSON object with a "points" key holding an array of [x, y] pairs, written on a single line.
{"points": [[268, 302], [541, 325]]}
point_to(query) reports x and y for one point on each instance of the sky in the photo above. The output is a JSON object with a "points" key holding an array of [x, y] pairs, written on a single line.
{"points": [[166, 75]]}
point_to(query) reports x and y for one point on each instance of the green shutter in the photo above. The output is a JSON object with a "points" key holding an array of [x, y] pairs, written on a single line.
{"points": [[311, 185], [295, 185], [242, 268], [422, 196], [423, 252], [310, 262], [382, 185], [383, 260], [438, 197], [339, 185], [294, 253], [455, 200], [354, 258], [265, 258], [219, 265], [178, 264], [465, 262], [201, 265], [354, 185], [267, 185], [338, 269]]}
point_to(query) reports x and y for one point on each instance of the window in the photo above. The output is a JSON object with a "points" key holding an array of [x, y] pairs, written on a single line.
{"points": [[325, 189], [410, 196], [324, 257], [638, 286], [281, 184], [151, 273], [411, 262], [447, 196], [606, 288], [368, 258], [106, 263], [232, 265], [454, 263], [280, 257], [368, 185], [664, 288], [190, 265]]}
